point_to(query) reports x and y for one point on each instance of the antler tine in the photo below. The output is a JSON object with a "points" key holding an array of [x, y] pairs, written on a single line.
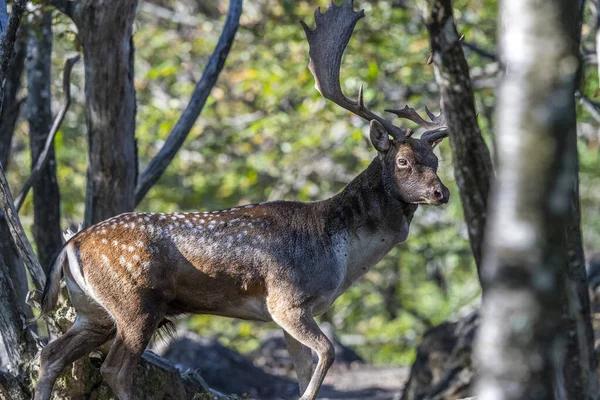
{"points": [[430, 114], [435, 135], [410, 114], [327, 43]]}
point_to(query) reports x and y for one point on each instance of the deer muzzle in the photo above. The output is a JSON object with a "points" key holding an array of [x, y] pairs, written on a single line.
{"points": [[439, 194]]}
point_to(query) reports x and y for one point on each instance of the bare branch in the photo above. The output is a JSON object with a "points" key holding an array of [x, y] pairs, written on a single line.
{"points": [[327, 43], [591, 106], [9, 37], [475, 48], [43, 158], [159, 164]]}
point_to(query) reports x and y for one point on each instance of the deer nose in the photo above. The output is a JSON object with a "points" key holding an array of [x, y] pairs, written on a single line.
{"points": [[441, 194]]}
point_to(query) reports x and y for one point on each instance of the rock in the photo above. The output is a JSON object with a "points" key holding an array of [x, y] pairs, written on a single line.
{"points": [[272, 355], [224, 369], [443, 369]]}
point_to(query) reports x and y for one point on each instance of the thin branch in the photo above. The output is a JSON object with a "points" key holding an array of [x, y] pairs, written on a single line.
{"points": [[9, 37], [159, 164], [591, 106], [480, 51], [43, 158]]}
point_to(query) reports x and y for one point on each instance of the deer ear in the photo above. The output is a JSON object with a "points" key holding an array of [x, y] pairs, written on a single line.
{"points": [[379, 136]]}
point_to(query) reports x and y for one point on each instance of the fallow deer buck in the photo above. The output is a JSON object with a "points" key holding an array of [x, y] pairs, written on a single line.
{"points": [[278, 261]]}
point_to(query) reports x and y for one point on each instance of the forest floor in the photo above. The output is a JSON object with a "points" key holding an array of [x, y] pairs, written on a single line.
{"points": [[268, 374], [364, 381]]}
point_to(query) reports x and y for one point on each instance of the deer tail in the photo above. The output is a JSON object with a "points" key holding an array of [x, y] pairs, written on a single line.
{"points": [[52, 286]]}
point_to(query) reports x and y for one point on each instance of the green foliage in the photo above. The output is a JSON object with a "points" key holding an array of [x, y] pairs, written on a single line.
{"points": [[266, 133]]}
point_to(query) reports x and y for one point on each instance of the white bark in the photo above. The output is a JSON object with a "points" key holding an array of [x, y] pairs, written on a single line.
{"points": [[521, 342]]}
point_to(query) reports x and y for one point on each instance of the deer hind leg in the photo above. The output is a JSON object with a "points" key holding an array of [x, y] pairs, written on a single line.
{"points": [[301, 326], [302, 359], [133, 335], [82, 338]]}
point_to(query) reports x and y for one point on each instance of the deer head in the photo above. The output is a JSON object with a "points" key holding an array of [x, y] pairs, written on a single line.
{"points": [[410, 165]]}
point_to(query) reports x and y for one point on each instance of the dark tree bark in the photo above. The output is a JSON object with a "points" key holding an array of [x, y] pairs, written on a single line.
{"points": [[8, 35], [580, 364], [105, 31], [472, 162], [12, 106], [443, 368], [8, 119], [521, 341], [18, 341], [17, 233], [46, 197]]}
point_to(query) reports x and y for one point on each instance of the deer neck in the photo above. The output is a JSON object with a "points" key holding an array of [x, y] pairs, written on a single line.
{"points": [[367, 206], [370, 219]]}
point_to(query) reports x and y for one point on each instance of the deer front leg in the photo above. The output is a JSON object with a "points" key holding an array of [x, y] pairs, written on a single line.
{"points": [[302, 359], [300, 325]]}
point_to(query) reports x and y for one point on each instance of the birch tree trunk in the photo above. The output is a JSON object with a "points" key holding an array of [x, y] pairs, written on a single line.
{"points": [[521, 342]]}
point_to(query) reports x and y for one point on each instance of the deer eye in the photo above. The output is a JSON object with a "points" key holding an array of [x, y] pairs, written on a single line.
{"points": [[402, 162]]}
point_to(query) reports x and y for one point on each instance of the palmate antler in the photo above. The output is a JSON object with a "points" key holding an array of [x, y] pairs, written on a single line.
{"points": [[327, 43]]}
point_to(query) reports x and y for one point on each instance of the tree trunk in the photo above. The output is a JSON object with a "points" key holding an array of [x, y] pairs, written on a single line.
{"points": [[17, 339], [46, 198], [8, 36], [105, 31], [10, 112], [472, 162], [521, 343], [580, 366], [8, 120]]}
